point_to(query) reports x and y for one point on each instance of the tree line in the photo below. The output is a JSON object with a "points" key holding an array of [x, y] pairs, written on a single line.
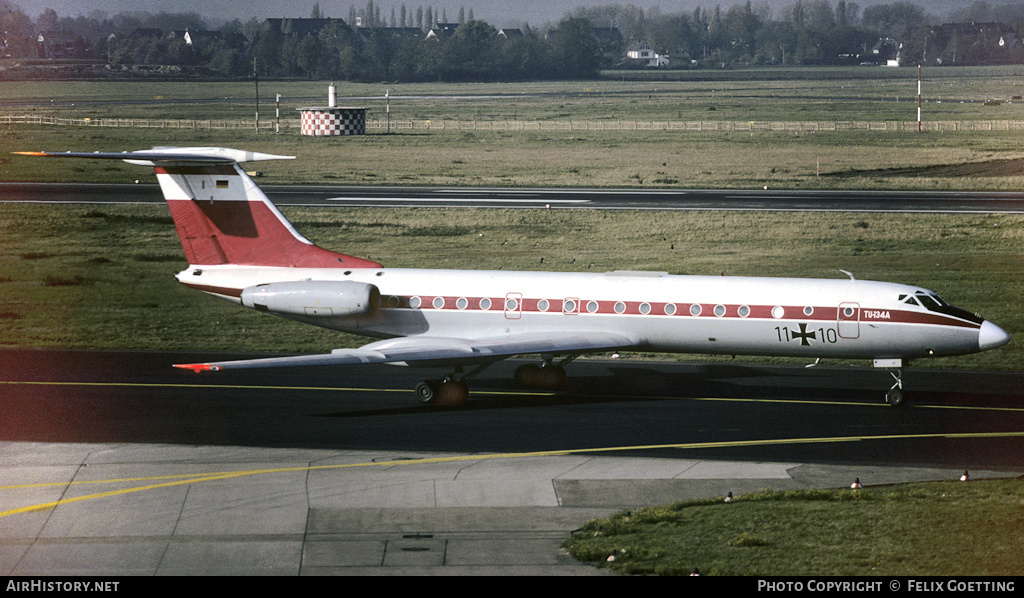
{"points": [[420, 45]]}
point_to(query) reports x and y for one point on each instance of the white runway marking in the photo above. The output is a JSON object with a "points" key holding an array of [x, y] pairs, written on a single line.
{"points": [[457, 200]]}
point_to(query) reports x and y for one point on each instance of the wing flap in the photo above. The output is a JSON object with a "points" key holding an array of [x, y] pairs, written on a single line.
{"points": [[435, 351]]}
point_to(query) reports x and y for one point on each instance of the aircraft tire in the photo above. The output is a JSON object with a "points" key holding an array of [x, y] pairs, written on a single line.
{"points": [[895, 397], [528, 375], [447, 394], [452, 394], [551, 377], [426, 391]]}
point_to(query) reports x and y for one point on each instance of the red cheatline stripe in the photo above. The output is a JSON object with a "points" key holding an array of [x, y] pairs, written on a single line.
{"points": [[557, 306], [707, 310]]}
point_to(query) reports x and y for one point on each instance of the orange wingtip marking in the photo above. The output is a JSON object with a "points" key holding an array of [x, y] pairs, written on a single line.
{"points": [[30, 153], [197, 367]]}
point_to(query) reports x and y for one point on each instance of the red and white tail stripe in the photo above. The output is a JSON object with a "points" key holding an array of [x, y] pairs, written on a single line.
{"points": [[220, 214]]}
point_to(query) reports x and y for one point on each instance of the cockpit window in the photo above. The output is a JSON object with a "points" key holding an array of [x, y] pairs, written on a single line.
{"points": [[936, 304], [931, 302]]}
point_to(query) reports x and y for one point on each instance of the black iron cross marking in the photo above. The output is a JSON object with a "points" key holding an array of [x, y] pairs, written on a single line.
{"points": [[803, 335]]}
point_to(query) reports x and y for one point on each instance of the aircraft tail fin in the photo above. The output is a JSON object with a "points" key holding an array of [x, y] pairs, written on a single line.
{"points": [[221, 215]]}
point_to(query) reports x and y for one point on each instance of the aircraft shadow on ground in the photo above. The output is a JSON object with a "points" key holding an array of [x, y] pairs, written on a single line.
{"points": [[628, 384], [625, 383]]}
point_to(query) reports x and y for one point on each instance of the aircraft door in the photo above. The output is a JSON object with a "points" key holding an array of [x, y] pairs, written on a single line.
{"points": [[848, 320]]}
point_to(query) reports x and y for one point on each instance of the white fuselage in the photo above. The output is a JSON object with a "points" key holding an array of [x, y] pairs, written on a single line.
{"points": [[841, 318]]}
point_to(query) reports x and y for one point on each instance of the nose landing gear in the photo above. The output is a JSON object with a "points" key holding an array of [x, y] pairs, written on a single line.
{"points": [[895, 396]]}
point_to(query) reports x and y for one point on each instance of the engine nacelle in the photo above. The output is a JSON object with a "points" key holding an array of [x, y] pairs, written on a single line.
{"points": [[313, 298]]}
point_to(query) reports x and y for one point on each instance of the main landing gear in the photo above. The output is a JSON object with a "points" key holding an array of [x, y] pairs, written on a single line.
{"points": [[443, 393], [452, 390], [531, 375], [548, 376]]}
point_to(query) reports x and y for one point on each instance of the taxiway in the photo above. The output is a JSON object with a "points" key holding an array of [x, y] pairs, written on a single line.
{"points": [[116, 463]]}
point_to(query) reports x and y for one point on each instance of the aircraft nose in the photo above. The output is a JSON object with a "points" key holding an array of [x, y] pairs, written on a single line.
{"points": [[991, 336]]}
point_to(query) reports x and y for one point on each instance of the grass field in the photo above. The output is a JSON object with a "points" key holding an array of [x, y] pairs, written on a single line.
{"points": [[640, 159], [785, 95], [935, 529], [650, 159]]}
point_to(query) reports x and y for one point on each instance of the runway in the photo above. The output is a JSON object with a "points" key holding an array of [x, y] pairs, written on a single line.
{"points": [[526, 198], [117, 463]]}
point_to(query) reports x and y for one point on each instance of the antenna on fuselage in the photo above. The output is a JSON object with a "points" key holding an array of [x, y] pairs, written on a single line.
{"points": [[848, 274]]}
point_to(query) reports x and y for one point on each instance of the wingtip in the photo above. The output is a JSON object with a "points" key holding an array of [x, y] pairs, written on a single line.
{"points": [[197, 367]]}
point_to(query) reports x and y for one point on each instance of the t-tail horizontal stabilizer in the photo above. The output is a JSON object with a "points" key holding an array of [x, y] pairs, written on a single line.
{"points": [[221, 215], [180, 155]]}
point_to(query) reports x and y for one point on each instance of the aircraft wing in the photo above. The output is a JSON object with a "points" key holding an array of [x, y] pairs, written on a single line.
{"points": [[427, 351]]}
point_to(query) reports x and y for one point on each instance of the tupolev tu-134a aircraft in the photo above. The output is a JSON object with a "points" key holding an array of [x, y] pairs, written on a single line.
{"points": [[241, 248]]}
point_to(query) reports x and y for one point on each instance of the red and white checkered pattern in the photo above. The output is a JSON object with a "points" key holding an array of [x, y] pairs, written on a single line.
{"points": [[319, 122]]}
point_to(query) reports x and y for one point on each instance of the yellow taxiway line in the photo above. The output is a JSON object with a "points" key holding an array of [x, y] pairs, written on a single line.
{"points": [[178, 480]]}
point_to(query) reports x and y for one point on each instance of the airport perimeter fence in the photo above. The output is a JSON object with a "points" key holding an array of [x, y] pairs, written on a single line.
{"points": [[380, 125]]}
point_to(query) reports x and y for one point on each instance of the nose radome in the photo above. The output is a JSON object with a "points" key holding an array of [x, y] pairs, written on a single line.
{"points": [[991, 336]]}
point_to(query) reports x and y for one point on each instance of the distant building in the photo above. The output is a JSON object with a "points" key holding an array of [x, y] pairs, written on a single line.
{"points": [[60, 44], [886, 51], [197, 39], [643, 53], [442, 30]]}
